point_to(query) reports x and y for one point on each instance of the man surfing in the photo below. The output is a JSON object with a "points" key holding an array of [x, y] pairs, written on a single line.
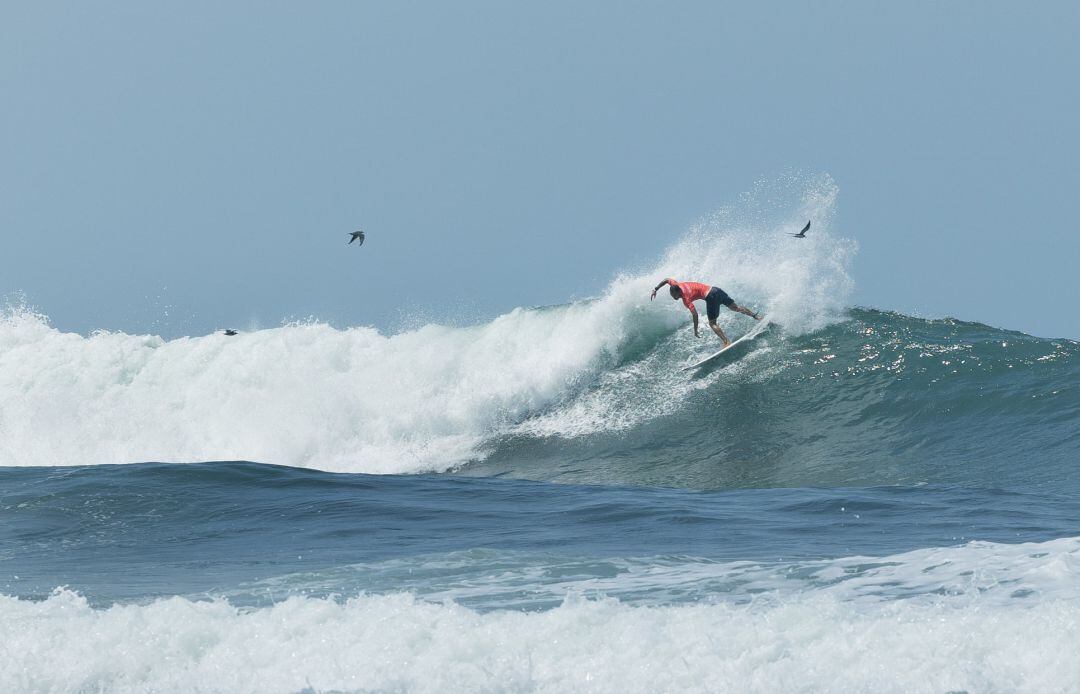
{"points": [[714, 297]]}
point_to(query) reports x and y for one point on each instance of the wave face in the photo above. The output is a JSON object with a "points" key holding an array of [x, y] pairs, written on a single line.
{"points": [[880, 398]]}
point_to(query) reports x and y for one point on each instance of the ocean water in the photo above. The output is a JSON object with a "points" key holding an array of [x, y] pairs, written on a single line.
{"points": [[546, 502]]}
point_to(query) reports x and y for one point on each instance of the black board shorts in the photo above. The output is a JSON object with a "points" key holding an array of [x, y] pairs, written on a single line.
{"points": [[714, 299]]}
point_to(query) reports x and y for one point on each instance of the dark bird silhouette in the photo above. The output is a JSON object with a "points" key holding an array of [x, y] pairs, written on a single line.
{"points": [[230, 332], [802, 234], [357, 235]]}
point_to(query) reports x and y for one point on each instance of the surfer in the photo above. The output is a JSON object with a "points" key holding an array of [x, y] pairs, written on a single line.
{"points": [[714, 297]]}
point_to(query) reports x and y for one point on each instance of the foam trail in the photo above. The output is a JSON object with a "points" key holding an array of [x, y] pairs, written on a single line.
{"points": [[357, 400], [992, 574]]}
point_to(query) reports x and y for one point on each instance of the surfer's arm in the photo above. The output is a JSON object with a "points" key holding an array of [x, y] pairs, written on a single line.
{"points": [[657, 288], [693, 312]]}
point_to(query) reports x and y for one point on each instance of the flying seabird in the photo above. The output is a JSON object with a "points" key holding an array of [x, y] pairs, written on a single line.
{"points": [[357, 235], [230, 332], [802, 234]]}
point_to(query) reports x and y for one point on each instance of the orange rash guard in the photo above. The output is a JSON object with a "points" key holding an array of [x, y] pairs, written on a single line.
{"points": [[691, 292]]}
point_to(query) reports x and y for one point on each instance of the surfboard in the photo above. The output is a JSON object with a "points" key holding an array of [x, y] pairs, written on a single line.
{"points": [[754, 332]]}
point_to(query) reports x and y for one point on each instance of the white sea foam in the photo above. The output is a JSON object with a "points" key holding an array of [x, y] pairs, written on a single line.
{"points": [[304, 395], [424, 400], [973, 632]]}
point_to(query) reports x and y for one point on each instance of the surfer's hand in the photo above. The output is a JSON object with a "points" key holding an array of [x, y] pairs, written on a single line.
{"points": [[696, 333], [653, 295]]}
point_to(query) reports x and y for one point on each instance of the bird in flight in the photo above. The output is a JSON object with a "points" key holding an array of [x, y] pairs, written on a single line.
{"points": [[802, 234], [230, 332], [357, 236]]}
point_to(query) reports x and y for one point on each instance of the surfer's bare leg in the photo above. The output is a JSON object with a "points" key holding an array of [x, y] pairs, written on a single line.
{"points": [[720, 333], [743, 310]]}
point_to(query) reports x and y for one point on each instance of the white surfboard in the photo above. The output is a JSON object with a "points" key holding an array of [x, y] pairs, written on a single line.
{"points": [[754, 332]]}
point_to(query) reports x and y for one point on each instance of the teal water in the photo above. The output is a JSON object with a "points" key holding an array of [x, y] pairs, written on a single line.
{"points": [[879, 399], [859, 498]]}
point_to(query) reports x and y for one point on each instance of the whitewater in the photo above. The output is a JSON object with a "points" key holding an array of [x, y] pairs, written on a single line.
{"points": [[356, 400], [545, 501]]}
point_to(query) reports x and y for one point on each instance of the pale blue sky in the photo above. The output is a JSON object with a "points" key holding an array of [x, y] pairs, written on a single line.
{"points": [[206, 160]]}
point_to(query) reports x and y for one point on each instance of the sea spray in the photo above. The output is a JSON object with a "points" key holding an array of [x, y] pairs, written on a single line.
{"points": [[429, 399]]}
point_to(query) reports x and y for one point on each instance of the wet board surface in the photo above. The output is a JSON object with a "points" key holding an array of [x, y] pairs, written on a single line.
{"points": [[754, 332]]}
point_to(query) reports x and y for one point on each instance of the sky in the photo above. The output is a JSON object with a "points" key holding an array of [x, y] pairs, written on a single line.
{"points": [[179, 167]]}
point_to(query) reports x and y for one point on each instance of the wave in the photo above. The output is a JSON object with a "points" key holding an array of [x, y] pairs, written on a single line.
{"points": [[810, 641], [357, 400], [590, 391], [879, 399], [262, 530]]}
